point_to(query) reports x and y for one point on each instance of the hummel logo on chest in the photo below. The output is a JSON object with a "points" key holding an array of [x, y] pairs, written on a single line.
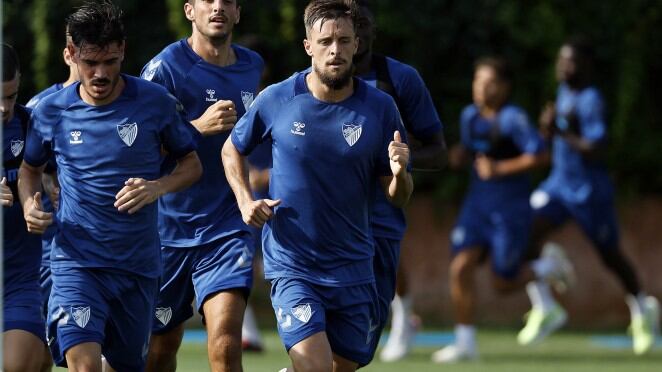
{"points": [[76, 137], [298, 128], [210, 96]]}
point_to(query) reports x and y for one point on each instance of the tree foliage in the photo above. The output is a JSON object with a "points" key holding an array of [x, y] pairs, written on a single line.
{"points": [[441, 38]]}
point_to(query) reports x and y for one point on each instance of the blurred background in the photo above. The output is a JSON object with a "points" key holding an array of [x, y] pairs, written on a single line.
{"points": [[442, 39]]}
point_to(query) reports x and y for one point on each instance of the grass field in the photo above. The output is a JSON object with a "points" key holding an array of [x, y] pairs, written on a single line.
{"points": [[498, 353]]}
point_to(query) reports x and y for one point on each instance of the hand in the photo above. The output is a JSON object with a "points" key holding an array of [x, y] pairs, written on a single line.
{"points": [[136, 193], [398, 153], [6, 196], [485, 167], [257, 212], [219, 117], [51, 188], [35, 218], [547, 119]]}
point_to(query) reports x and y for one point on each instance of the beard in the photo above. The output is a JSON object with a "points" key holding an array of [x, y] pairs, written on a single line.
{"points": [[334, 82]]}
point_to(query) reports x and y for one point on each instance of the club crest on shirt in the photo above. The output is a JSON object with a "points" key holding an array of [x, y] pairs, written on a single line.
{"points": [[81, 315], [352, 132], [247, 99], [17, 147], [150, 71], [128, 132], [163, 314], [210, 96], [76, 137], [302, 312]]}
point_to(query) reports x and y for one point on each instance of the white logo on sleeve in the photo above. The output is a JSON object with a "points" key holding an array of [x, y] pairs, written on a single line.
{"points": [[210, 96], [17, 147], [298, 128], [128, 132], [150, 71], [352, 133], [76, 137], [81, 315], [163, 314], [302, 312]]}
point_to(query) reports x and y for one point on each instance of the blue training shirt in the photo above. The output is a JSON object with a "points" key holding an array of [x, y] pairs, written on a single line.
{"points": [[98, 148], [49, 234], [574, 178], [22, 250], [326, 160], [507, 136], [420, 119], [207, 210]]}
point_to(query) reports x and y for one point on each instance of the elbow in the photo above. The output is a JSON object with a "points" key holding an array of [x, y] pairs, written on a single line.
{"points": [[194, 168]]}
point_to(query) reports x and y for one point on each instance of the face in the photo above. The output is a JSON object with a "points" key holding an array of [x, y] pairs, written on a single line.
{"points": [[567, 66], [9, 94], [488, 90], [98, 70], [365, 30], [332, 44], [214, 19]]}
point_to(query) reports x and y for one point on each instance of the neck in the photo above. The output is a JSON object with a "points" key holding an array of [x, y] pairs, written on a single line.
{"points": [[69, 81], [324, 93], [218, 53], [489, 112], [363, 65]]}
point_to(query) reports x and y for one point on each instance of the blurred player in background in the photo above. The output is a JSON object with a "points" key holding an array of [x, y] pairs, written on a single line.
{"points": [[207, 249], [579, 188], [499, 142], [421, 121]]}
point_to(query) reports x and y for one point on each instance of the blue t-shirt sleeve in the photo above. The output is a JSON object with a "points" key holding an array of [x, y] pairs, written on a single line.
{"points": [[38, 147], [467, 115], [177, 134], [591, 117], [524, 135], [158, 72], [417, 106], [253, 128]]}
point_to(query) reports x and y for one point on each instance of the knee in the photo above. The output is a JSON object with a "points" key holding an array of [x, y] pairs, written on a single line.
{"points": [[164, 347], [225, 347], [313, 364], [461, 268], [501, 285]]}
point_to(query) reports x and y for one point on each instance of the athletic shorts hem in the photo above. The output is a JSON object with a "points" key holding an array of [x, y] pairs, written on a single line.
{"points": [[244, 287], [36, 329], [303, 336], [61, 359]]}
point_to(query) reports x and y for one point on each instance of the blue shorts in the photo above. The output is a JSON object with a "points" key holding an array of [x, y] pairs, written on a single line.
{"points": [[45, 282], [596, 218], [348, 315], [226, 263], [22, 306], [503, 233], [385, 266], [111, 308]]}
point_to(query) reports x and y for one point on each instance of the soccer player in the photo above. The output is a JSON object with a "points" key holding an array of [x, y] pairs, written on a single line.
{"points": [[23, 328], [333, 137], [501, 145], [421, 121], [51, 192], [106, 133], [579, 187], [207, 250]]}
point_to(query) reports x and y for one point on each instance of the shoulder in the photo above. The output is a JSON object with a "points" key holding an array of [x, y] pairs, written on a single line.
{"points": [[513, 117], [468, 113], [248, 56], [401, 71], [55, 102], [279, 92], [173, 58], [39, 96], [591, 95]]}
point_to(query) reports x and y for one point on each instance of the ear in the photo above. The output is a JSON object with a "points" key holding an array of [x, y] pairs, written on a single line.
{"points": [[356, 44], [122, 48], [189, 11], [306, 46], [238, 15], [71, 50]]}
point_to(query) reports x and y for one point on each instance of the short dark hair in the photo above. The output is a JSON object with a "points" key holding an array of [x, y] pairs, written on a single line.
{"points": [[500, 66], [330, 10], [10, 65], [96, 23]]}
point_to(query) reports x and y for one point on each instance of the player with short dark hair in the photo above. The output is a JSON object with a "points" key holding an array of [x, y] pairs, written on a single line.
{"points": [[106, 133], [333, 137], [23, 328], [207, 250], [579, 187]]}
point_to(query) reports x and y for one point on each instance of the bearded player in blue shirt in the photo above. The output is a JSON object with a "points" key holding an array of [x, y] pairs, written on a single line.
{"points": [[333, 137], [23, 323], [579, 188], [422, 123], [207, 250], [106, 133]]}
